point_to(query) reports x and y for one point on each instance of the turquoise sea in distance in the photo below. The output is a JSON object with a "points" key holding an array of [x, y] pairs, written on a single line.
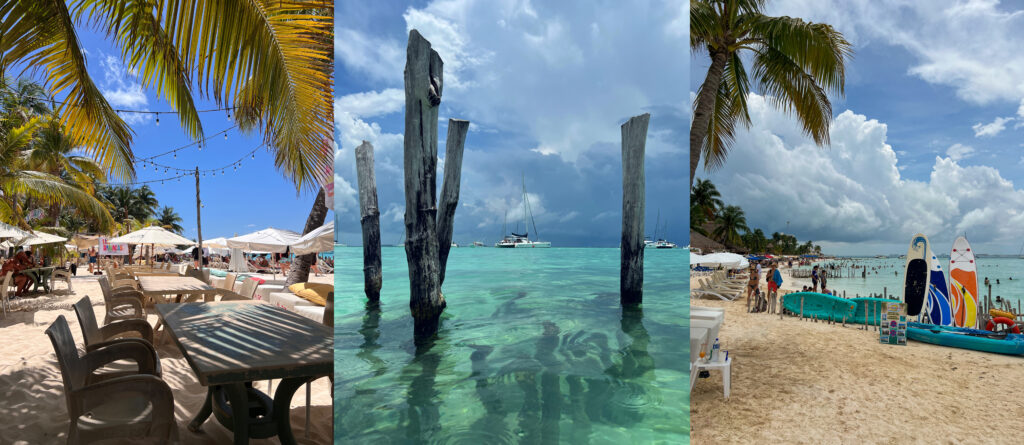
{"points": [[534, 347], [887, 274]]}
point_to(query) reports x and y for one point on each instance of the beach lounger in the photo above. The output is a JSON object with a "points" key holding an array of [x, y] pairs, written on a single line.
{"points": [[121, 303], [132, 406], [706, 289]]}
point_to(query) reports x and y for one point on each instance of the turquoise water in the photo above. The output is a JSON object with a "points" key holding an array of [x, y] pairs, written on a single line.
{"points": [[888, 275], [533, 348]]}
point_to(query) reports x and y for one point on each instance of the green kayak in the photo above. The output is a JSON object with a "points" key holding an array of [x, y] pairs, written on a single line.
{"points": [[822, 306], [966, 338]]}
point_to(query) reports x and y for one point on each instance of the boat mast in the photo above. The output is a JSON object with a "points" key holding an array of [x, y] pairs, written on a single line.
{"points": [[527, 209]]}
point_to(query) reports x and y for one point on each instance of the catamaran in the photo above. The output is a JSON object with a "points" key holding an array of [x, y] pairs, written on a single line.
{"points": [[659, 243], [517, 240]]}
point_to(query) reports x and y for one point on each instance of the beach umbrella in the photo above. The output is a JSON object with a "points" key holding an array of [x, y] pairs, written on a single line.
{"points": [[726, 259], [320, 239], [39, 238], [216, 243], [9, 231], [266, 240], [152, 235], [85, 241]]}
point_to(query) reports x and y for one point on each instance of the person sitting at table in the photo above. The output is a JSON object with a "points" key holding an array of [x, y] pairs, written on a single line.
{"points": [[22, 260]]}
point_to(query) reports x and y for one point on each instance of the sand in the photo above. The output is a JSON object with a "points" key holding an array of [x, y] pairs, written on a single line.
{"points": [[804, 382], [32, 404]]}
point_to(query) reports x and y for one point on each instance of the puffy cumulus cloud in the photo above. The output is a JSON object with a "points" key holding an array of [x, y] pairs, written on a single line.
{"points": [[958, 151], [973, 34], [852, 192], [122, 90], [991, 129], [371, 103]]}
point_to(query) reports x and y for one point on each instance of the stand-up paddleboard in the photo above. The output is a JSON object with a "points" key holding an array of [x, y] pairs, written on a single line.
{"points": [[963, 284], [915, 285], [939, 311]]}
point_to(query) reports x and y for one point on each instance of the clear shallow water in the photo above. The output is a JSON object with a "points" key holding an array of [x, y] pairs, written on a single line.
{"points": [[533, 348], [993, 268]]}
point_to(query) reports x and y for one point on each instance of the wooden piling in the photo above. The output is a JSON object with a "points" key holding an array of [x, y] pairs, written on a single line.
{"points": [[369, 219], [631, 271], [450, 191], [423, 86]]}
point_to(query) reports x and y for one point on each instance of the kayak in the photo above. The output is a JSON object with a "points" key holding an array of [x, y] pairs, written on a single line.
{"points": [[872, 307], [822, 306], [967, 338]]}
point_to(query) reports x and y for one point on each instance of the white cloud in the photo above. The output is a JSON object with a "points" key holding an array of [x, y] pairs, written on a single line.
{"points": [[380, 59], [853, 191], [973, 34], [958, 152], [568, 216], [122, 90], [371, 103], [991, 129]]}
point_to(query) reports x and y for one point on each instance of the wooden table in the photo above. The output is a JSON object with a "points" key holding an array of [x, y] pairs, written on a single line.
{"points": [[160, 286], [41, 277], [231, 344]]}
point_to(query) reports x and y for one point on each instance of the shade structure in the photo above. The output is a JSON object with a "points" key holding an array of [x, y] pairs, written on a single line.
{"points": [[85, 241], [725, 259], [216, 243], [39, 238], [152, 235], [266, 240], [320, 239], [9, 231]]}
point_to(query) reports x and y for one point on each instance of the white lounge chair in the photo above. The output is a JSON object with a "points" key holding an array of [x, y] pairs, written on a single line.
{"points": [[60, 275]]}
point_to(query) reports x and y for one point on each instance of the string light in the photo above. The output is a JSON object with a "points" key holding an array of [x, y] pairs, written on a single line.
{"points": [[158, 119]]}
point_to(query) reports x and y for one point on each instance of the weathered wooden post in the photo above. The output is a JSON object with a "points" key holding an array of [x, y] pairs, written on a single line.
{"points": [[423, 85], [631, 273], [369, 219], [450, 191]]}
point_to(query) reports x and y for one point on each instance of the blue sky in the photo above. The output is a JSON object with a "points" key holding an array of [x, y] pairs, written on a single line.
{"points": [[254, 197], [928, 137], [546, 86]]}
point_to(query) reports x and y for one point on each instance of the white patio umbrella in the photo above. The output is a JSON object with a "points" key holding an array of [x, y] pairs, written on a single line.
{"points": [[216, 243], [9, 231], [320, 239], [266, 240], [39, 238], [152, 235], [725, 259]]}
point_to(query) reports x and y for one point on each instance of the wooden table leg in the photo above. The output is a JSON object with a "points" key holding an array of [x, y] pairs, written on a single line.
{"points": [[282, 407], [204, 413]]}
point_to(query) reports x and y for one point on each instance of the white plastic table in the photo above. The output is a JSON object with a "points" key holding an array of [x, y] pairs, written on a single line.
{"points": [[725, 366]]}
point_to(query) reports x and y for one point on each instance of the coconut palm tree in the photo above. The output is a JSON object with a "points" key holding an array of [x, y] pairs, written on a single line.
{"points": [[277, 74], [128, 204], [167, 218], [795, 63], [706, 198], [21, 184], [731, 222]]}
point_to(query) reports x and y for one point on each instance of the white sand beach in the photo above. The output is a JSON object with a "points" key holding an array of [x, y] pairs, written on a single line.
{"points": [[32, 393], [799, 381]]}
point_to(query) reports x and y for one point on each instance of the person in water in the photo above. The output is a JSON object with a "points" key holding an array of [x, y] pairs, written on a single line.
{"points": [[987, 284]]}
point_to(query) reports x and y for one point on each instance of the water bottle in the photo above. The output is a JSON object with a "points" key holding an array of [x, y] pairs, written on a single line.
{"points": [[715, 351]]}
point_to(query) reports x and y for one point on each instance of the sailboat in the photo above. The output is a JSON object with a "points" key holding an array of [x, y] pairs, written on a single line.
{"points": [[517, 240], [659, 243]]}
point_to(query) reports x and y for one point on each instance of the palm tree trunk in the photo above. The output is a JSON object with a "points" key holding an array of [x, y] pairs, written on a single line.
{"points": [[299, 272], [705, 106]]}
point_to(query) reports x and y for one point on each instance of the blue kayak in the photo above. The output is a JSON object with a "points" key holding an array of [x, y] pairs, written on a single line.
{"points": [[966, 338]]}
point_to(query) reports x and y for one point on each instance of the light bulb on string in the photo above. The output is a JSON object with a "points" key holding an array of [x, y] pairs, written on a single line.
{"points": [[225, 135], [157, 119]]}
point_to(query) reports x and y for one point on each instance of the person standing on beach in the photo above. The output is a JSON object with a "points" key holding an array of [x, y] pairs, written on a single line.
{"points": [[93, 257], [751, 284], [814, 278]]}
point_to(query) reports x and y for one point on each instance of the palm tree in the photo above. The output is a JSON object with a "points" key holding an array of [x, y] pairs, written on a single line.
{"points": [[796, 64], [52, 152], [167, 218], [730, 222], [706, 198], [277, 74], [20, 185]]}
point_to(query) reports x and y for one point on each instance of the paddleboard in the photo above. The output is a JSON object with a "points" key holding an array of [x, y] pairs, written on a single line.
{"points": [[966, 338], [938, 309], [963, 284], [915, 284], [822, 306]]}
